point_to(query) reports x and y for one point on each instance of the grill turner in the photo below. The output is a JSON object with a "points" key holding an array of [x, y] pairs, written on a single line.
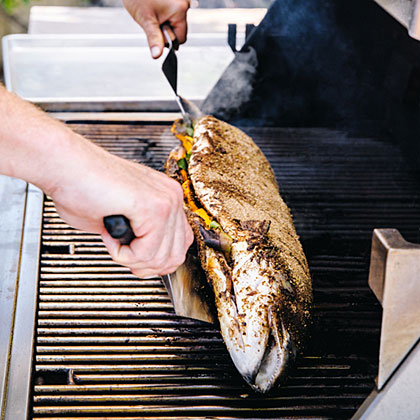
{"points": [[190, 112], [184, 286]]}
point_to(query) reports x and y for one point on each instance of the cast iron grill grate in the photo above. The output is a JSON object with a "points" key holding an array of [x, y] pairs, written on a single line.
{"points": [[108, 344]]}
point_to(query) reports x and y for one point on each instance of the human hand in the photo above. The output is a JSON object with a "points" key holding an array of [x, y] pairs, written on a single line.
{"points": [[150, 14], [101, 184]]}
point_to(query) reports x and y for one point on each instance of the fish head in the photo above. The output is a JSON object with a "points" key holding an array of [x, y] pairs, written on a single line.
{"points": [[280, 353], [249, 302], [266, 363]]}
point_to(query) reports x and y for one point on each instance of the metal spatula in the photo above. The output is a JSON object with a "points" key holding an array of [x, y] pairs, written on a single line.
{"points": [[190, 111], [186, 286]]}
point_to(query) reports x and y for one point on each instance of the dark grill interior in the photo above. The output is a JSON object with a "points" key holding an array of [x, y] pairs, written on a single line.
{"points": [[109, 345]]}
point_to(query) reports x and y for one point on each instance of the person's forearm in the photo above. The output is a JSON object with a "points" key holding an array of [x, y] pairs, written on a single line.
{"points": [[87, 184], [32, 144]]}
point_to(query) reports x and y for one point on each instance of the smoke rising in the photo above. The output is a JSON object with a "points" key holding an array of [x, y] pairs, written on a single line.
{"points": [[234, 88]]}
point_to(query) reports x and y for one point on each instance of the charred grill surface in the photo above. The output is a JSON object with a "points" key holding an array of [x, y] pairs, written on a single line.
{"points": [[109, 344]]}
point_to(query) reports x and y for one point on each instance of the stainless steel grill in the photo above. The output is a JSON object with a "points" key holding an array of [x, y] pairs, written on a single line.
{"points": [[108, 344]]}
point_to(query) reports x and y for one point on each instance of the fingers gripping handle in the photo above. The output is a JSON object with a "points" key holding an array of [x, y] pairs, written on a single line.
{"points": [[118, 226], [170, 37]]}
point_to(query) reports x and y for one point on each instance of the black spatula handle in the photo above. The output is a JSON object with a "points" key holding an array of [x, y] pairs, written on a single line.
{"points": [[118, 226]]}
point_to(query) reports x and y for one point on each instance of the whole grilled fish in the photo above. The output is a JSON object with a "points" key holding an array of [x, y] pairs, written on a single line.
{"points": [[248, 247]]}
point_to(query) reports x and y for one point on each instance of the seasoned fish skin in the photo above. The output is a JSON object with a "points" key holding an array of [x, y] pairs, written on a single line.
{"points": [[263, 294]]}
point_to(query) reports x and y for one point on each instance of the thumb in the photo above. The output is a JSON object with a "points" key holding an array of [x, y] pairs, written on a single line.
{"points": [[154, 36]]}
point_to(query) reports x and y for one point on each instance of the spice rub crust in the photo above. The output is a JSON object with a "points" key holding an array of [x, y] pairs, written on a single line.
{"points": [[236, 185]]}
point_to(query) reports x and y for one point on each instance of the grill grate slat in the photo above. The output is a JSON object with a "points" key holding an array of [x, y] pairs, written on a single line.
{"points": [[109, 344]]}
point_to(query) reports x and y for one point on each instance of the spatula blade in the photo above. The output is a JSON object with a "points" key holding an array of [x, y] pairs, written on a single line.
{"points": [[190, 108], [187, 289]]}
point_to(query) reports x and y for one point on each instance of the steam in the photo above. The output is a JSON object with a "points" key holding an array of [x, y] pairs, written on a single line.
{"points": [[234, 88]]}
